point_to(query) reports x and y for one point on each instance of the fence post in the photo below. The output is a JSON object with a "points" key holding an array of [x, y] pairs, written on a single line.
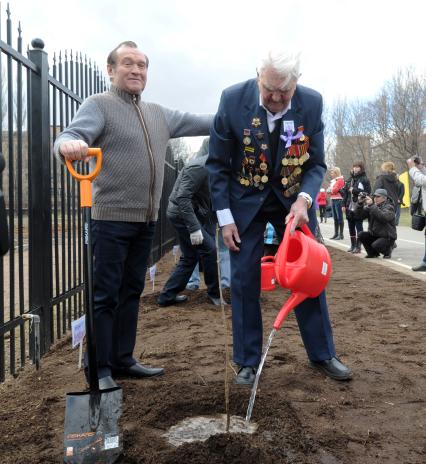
{"points": [[40, 259]]}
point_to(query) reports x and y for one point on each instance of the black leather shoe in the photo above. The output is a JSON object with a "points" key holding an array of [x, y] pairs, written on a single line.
{"points": [[333, 368], [371, 256], [107, 382], [139, 371], [177, 300], [245, 376], [421, 268], [388, 256], [215, 301]]}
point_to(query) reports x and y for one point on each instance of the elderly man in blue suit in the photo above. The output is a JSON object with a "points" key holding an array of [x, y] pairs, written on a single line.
{"points": [[266, 164]]}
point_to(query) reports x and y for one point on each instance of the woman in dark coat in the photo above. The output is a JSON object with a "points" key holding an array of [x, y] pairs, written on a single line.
{"points": [[388, 180], [356, 184]]}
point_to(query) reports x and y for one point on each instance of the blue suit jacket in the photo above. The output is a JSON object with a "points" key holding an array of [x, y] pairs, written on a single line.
{"points": [[238, 106]]}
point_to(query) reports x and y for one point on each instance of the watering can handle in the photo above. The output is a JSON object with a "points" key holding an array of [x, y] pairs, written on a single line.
{"points": [[305, 229], [86, 179]]}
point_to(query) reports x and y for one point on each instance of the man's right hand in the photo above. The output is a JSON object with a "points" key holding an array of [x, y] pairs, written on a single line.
{"points": [[74, 150], [231, 237], [196, 237]]}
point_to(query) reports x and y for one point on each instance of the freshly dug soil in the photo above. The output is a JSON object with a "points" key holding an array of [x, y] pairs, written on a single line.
{"points": [[379, 319]]}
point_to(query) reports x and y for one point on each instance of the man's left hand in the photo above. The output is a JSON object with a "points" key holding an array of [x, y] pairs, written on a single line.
{"points": [[299, 212]]}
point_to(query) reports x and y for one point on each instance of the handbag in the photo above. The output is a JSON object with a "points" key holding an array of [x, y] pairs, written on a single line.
{"points": [[418, 219]]}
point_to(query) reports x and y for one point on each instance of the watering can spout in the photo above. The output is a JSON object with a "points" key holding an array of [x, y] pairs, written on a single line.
{"points": [[294, 300]]}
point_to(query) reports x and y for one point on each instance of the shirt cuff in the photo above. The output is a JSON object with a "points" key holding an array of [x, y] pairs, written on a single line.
{"points": [[224, 217], [307, 197]]}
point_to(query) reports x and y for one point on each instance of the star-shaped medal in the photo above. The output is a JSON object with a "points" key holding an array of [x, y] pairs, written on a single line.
{"points": [[256, 122]]}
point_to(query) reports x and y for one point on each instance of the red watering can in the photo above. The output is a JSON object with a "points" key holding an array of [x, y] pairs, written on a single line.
{"points": [[301, 264]]}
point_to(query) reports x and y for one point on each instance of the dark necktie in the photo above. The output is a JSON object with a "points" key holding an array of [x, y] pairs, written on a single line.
{"points": [[274, 138]]}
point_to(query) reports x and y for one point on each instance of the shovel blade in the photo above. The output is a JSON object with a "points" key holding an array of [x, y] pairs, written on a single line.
{"points": [[91, 432]]}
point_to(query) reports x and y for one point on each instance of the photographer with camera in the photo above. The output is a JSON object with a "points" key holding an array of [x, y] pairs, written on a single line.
{"points": [[417, 172], [355, 185], [380, 212]]}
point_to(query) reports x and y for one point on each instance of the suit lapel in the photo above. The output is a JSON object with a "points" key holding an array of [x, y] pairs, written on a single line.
{"points": [[255, 116]]}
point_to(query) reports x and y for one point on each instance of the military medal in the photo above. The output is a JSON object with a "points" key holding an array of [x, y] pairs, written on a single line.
{"points": [[263, 165], [264, 179], [264, 146], [256, 122], [257, 178], [284, 181], [247, 140], [285, 162]]}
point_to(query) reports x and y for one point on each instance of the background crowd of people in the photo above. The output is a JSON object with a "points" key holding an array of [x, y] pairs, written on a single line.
{"points": [[358, 198]]}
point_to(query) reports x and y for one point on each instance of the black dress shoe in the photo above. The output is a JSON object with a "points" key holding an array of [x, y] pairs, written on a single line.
{"points": [[245, 376], [215, 301], [107, 382], [139, 371], [333, 368], [371, 256], [420, 268], [178, 299]]}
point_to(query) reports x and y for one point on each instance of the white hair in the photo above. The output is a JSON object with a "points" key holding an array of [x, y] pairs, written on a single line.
{"points": [[284, 64]]}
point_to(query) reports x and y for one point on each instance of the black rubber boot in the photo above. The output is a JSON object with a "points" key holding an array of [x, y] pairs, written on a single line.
{"points": [[336, 231], [357, 248], [353, 245], [342, 224]]}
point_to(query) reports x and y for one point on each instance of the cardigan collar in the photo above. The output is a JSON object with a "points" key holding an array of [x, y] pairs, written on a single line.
{"points": [[123, 94]]}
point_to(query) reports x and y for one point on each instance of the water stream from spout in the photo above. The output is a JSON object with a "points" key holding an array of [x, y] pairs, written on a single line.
{"points": [[259, 371]]}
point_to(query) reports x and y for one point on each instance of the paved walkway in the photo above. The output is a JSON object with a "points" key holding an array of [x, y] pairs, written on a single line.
{"points": [[409, 252]]}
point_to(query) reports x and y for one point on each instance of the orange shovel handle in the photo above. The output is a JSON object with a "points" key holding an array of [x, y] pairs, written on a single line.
{"points": [[86, 179], [97, 152]]}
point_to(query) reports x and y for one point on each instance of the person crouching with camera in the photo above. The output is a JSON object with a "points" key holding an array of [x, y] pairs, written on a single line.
{"points": [[380, 212]]}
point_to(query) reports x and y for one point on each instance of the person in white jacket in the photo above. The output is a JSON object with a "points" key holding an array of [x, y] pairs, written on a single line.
{"points": [[417, 171]]}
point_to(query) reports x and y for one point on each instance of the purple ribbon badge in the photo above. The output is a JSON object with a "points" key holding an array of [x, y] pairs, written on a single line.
{"points": [[289, 137]]}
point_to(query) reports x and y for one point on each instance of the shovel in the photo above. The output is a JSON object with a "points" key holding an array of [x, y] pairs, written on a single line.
{"points": [[91, 433]]}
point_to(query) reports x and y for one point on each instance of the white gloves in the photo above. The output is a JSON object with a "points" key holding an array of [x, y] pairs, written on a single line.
{"points": [[196, 237]]}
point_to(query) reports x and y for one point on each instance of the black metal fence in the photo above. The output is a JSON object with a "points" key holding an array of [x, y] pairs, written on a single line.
{"points": [[42, 273]]}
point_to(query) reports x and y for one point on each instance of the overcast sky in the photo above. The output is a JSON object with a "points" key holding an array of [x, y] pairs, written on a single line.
{"points": [[197, 48]]}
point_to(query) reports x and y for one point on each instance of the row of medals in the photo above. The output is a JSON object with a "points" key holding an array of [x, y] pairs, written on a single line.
{"points": [[290, 171]]}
